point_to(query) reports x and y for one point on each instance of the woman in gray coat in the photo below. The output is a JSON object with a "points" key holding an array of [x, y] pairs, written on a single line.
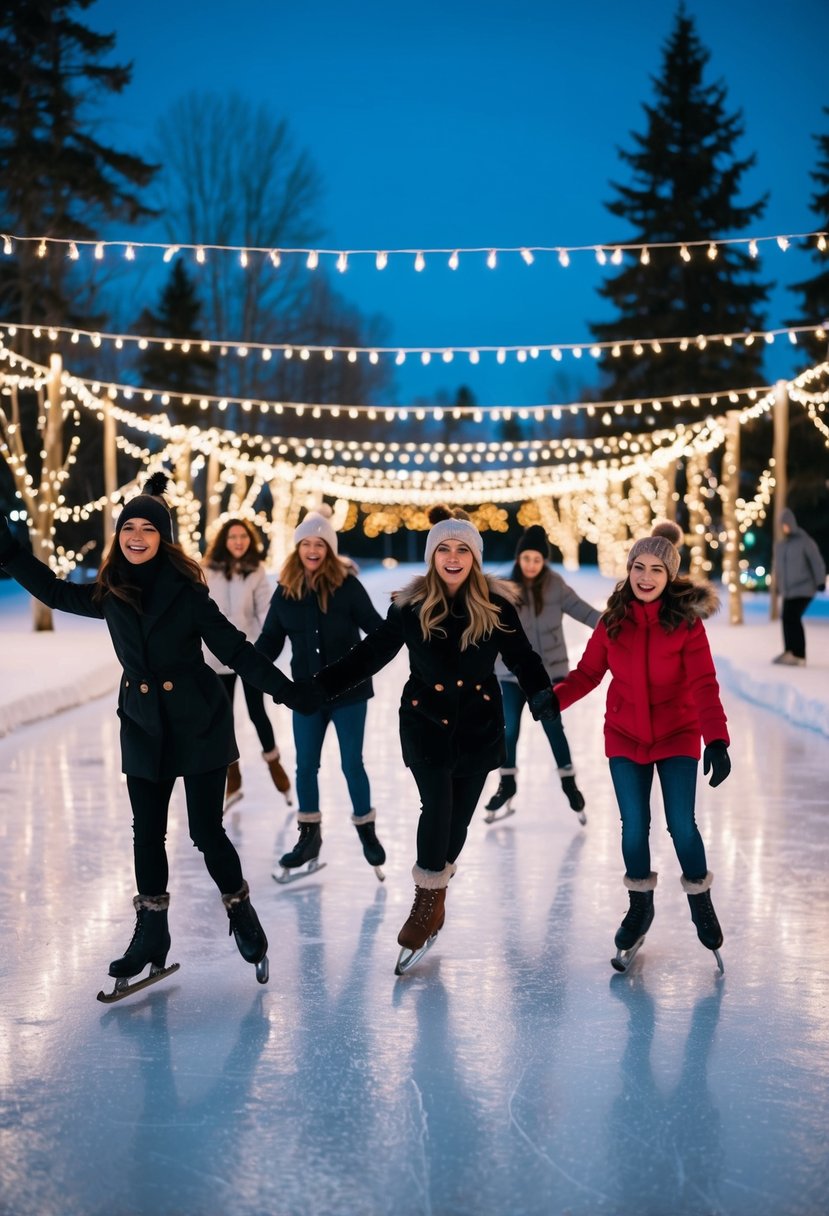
{"points": [[545, 598], [799, 572]]}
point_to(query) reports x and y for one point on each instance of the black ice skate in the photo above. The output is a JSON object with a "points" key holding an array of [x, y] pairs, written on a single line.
{"points": [[703, 914], [247, 930], [150, 944], [630, 935], [574, 795], [303, 858], [373, 851], [500, 804]]}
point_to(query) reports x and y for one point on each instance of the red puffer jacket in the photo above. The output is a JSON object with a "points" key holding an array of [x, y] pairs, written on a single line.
{"points": [[664, 692]]}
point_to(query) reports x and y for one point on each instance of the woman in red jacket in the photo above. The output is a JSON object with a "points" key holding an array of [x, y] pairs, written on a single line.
{"points": [[662, 697]]}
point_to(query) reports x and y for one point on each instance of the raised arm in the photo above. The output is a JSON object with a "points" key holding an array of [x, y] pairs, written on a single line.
{"points": [[41, 582], [231, 647]]}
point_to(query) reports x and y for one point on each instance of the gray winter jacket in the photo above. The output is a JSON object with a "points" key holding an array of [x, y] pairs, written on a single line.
{"points": [[799, 568], [544, 631]]}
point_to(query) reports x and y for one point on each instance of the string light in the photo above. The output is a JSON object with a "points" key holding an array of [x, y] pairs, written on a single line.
{"points": [[529, 253]]}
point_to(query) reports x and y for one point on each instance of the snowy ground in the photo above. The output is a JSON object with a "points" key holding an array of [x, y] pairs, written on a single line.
{"points": [[512, 1072]]}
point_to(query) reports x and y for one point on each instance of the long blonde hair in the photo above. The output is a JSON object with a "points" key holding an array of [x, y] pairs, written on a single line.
{"points": [[473, 595], [296, 583]]}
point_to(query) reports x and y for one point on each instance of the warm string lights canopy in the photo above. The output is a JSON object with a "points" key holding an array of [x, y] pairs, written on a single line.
{"points": [[247, 255], [521, 353]]}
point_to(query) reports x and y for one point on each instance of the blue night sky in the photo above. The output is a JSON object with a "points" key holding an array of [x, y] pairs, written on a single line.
{"points": [[485, 124]]}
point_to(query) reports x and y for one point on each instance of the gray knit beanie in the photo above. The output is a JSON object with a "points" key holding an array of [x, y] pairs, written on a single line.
{"points": [[318, 523], [448, 526], [662, 544]]}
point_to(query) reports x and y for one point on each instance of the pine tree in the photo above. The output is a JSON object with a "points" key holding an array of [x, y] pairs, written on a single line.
{"points": [[56, 179], [685, 183], [815, 291], [178, 316]]}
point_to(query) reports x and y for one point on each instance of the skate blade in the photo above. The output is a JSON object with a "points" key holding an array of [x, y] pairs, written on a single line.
{"points": [[582, 818], [720, 964], [408, 958], [231, 800], [263, 970], [124, 988], [285, 876], [378, 870], [503, 812], [624, 958]]}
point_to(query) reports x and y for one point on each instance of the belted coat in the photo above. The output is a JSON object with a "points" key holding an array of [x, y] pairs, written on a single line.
{"points": [[175, 715], [451, 713]]}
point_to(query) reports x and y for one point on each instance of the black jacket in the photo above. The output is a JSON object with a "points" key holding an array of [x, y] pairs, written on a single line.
{"points": [[318, 638], [176, 718], [451, 713]]}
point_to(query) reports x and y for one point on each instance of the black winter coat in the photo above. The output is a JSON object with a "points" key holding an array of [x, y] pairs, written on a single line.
{"points": [[176, 718], [318, 638], [451, 713]]}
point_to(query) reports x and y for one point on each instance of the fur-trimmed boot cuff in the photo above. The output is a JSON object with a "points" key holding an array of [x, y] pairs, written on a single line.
{"points": [[152, 903], [359, 820], [568, 770], [508, 772], [271, 755], [309, 816], [230, 901], [433, 880], [696, 888], [641, 884]]}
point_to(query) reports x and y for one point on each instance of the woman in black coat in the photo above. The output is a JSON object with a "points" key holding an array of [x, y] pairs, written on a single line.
{"points": [[176, 720], [321, 607], [454, 622]]}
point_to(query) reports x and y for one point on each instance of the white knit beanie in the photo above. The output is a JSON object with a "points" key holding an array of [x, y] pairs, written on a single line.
{"points": [[317, 523], [454, 529]]}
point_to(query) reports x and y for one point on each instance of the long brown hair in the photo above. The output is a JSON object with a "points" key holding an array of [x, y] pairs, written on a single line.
{"points": [[676, 605], [113, 576], [530, 586], [296, 583], [219, 557]]}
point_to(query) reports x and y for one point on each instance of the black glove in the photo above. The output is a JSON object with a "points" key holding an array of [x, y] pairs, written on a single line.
{"points": [[304, 697], [715, 759], [544, 706], [8, 545]]}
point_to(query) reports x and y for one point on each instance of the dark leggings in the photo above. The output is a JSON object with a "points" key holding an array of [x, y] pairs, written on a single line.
{"points": [[794, 635], [447, 805], [205, 797], [255, 701]]}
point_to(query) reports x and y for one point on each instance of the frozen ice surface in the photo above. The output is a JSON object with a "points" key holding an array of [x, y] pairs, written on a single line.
{"points": [[511, 1072]]}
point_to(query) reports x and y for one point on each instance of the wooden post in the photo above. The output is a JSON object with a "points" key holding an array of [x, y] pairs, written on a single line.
{"points": [[47, 499], [211, 497], [731, 489], [110, 472], [781, 483]]}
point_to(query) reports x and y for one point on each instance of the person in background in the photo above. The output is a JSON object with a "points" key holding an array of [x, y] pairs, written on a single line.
{"points": [[454, 621], [176, 720], [799, 572], [662, 696], [321, 607], [237, 581], [545, 598]]}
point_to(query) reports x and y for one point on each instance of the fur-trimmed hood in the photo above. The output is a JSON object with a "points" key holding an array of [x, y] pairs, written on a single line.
{"points": [[243, 567], [414, 591], [703, 600]]}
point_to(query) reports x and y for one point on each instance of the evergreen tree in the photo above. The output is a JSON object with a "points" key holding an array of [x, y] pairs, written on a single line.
{"points": [[685, 182], [815, 291], [178, 316], [56, 178]]}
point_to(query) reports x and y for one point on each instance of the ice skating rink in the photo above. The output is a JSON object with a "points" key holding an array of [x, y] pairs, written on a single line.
{"points": [[512, 1072]]}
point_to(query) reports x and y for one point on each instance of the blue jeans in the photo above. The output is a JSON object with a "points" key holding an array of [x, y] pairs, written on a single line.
{"points": [[632, 783], [514, 702], [309, 734]]}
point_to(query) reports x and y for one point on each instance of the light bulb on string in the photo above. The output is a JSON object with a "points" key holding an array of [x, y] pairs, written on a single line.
{"points": [[783, 243], [381, 261], [821, 243], [601, 256], [419, 262], [563, 258], [313, 260], [526, 254], [169, 253], [99, 252], [616, 257], [753, 248], [685, 253], [645, 256], [712, 251], [454, 260], [400, 357], [492, 259], [342, 262]]}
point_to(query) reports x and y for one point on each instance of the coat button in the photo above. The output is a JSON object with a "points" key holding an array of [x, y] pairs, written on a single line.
{"points": [[438, 688], [126, 683], [144, 687], [167, 685]]}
